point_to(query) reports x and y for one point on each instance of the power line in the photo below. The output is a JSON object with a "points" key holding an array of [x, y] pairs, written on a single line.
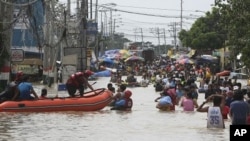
{"points": [[155, 23], [155, 8], [147, 14], [148, 36]]}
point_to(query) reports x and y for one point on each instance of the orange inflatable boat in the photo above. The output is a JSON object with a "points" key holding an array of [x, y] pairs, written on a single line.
{"points": [[89, 102]]}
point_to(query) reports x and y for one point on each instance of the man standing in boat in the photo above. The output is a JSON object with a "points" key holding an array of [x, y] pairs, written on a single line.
{"points": [[77, 81]]}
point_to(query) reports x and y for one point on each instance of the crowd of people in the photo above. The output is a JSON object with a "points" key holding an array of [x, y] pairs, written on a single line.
{"points": [[178, 84], [181, 85]]}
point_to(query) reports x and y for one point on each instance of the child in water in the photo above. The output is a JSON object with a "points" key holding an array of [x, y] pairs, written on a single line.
{"points": [[125, 103]]}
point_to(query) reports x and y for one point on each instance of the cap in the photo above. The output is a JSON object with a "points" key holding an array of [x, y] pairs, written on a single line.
{"points": [[88, 73], [127, 94]]}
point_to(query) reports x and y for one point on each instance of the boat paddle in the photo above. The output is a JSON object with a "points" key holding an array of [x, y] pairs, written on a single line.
{"points": [[94, 83]]}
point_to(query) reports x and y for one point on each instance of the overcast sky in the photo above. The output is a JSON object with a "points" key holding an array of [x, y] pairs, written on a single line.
{"points": [[151, 15]]}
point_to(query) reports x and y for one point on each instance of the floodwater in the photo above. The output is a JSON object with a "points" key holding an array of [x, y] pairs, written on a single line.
{"points": [[143, 123]]}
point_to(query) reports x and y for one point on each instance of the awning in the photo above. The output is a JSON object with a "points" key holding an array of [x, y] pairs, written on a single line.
{"points": [[33, 61]]}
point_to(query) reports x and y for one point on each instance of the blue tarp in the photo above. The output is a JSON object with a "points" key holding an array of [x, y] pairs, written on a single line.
{"points": [[108, 60], [111, 53], [106, 73]]}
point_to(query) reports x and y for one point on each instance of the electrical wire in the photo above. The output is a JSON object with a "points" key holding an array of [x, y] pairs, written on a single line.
{"points": [[152, 15], [156, 8]]}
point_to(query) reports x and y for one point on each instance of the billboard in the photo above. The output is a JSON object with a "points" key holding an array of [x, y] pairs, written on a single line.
{"points": [[17, 55]]}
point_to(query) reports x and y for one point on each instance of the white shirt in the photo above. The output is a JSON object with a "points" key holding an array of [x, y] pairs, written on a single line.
{"points": [[214, 118]]}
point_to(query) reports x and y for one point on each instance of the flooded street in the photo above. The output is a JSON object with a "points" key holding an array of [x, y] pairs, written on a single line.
{"points": [[144, 122]]}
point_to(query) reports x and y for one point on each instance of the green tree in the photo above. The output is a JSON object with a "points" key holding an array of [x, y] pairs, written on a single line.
{"points": [[236, 14], [206, 33], [115, 43], [119, 41]]}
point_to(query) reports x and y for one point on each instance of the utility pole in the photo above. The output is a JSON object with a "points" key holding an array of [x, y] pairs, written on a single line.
{"points": [[77, 9], [135, 34], [69, 9], [111, 23], [158, 36], [164, 34], [114, 27], [83, 35], [142, 44], [174, 33], [91, 9], [181, 14], [111, 28], [96, 11]]}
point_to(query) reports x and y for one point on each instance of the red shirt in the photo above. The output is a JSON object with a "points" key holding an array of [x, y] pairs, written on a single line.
{"points": [[76, 79], [172, 94], [225, 112]]}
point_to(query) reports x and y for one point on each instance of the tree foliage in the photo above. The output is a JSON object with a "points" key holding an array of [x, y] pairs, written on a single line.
{"points": [[206, 33], [116, 43], [226, 26], [236, 14]]}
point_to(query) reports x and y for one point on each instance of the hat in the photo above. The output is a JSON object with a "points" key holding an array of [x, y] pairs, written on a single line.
{"points": [[235, 87], [88, 73], [127, 94]]}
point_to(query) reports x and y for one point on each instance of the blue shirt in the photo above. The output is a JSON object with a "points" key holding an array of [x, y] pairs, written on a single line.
{"points": [[25, 90], [165, 100], [120, 103], [239, 111]]}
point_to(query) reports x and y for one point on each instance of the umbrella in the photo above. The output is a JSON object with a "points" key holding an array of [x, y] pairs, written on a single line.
{"points": [[184, 56], [134, 58], [208, 57], [124, 53], [185, 61], [107, 60]]}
